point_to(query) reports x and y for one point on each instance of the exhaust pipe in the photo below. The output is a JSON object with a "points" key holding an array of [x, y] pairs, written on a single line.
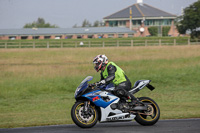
{"points": [[139, 108]]}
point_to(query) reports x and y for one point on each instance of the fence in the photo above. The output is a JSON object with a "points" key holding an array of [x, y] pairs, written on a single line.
{"points": [[100, 43]]}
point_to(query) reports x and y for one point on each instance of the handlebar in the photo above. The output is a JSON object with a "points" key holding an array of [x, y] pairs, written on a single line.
{"points": [[99, 85]]}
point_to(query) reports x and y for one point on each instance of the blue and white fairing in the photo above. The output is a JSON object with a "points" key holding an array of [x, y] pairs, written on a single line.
{"points": [[104, 100], [96, 96], [83, 85]]}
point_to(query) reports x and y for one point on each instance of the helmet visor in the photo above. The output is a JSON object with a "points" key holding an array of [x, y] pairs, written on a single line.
{"points": [[97, 66]]}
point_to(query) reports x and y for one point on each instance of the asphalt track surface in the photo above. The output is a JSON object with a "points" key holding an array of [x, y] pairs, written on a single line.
{"points": [[162, 126]]}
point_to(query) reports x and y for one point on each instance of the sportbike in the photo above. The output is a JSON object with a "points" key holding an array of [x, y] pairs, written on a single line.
{"points": [[96, 102]]}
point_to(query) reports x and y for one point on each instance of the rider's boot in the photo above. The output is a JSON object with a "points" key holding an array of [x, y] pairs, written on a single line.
{"points": [[134, 100]]}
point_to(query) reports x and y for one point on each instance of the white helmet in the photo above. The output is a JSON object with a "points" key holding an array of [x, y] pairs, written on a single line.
{"points": [[100, 61]]}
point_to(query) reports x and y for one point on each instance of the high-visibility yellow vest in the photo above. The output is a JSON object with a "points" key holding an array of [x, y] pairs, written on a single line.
{"points": [[119, 74]]}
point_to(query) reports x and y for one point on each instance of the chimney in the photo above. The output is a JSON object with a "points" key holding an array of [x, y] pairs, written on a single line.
{"points": [[139, 1]]}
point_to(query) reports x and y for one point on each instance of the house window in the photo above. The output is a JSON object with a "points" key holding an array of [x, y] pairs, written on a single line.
{"points": [[122, 23], [47, 37], [113, 23], [58, 37], [130, 35], [36, 37], [24, 37], [157, 22], [68, 37], [120, 35], [90, 36], [136, 22], [12, 37], [148, 22], [79, 36], [167, 22], [110, 35]]}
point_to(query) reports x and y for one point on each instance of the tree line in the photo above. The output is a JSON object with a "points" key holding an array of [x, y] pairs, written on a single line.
{"points": [[86, 23], [40, 23]]}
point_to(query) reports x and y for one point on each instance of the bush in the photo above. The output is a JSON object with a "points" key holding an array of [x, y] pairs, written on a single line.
{"points": [[153, 31], [165, 30]]}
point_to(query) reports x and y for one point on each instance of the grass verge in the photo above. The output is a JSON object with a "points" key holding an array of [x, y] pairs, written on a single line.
{"points": [[37, 85]]}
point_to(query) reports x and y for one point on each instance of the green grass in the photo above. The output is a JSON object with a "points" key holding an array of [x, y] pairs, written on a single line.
{"points": [[37, 85]]}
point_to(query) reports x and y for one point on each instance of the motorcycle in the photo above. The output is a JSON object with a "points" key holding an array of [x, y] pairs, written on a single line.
{"points": [[96, 102]]}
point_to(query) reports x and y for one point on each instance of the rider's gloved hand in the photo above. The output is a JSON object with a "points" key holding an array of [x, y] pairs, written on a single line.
{"points": [[91, 85], [101, 82]]}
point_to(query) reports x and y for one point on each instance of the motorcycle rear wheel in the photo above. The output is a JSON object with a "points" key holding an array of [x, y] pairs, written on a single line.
{"points": [[150, 117], [80, 118]]}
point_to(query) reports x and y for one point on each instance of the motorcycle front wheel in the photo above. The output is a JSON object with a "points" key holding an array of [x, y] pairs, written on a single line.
{"points": [[84, 119], [151, 116]]}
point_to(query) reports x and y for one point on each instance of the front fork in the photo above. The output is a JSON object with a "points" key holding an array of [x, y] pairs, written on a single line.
{"points": [[86, 106]]}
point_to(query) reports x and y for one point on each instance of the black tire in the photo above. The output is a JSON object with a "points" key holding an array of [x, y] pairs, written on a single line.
{"points": [[77, 117], [148, 120]]}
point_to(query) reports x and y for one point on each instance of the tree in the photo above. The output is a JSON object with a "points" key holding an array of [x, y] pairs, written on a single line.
{"points": [[86, 23], [96, 23], [40, 23], [190, 21], [75, 26]]}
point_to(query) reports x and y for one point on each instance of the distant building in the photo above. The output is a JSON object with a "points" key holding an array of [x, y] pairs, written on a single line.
{"points": [[132, 21], [66, 33], [140, 16]]}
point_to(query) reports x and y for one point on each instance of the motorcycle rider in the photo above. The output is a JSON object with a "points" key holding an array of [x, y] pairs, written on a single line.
{"points": [[110, 72]]}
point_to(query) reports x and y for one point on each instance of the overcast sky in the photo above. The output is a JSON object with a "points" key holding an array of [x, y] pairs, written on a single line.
{"points": [[15, 14]]}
